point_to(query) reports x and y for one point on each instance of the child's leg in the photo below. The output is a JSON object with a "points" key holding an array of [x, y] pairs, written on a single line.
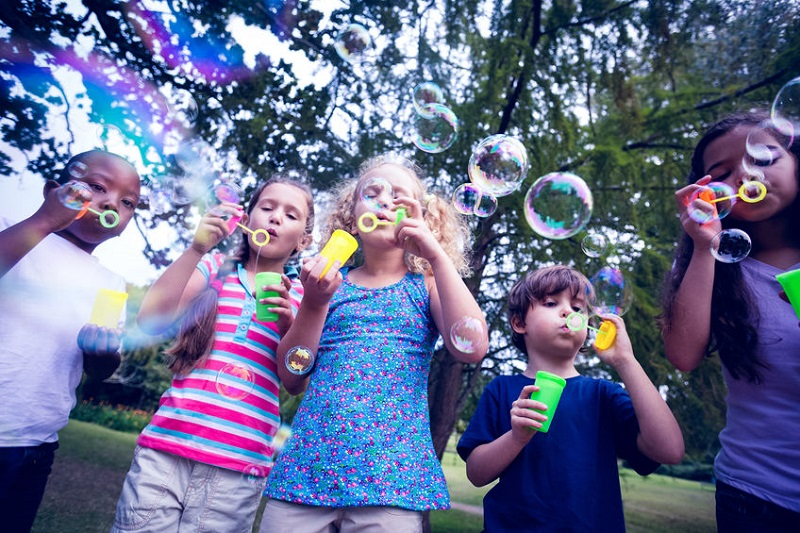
{"points": [[152, 493], [23, 477], [280, 517]]}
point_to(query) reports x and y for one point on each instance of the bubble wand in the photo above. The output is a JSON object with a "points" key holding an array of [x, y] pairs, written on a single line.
{"points": [[750, 192], [68, 194], [606, 333], [369, 222]]}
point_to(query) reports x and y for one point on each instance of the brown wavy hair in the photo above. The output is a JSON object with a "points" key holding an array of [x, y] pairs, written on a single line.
{"points": [[196, 325]]}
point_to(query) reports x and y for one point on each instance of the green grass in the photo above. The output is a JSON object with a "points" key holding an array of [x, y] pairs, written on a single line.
{"points": [[92, 462]]}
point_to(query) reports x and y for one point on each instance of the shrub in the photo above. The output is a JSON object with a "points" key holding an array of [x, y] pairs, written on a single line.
{"points": [[119, 417]]}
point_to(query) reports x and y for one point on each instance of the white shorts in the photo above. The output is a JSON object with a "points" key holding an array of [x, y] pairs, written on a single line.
{"points": [[280, 517], [163, 492]]}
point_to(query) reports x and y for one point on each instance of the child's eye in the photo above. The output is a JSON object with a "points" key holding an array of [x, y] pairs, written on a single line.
{"points": [[97, 187], [577, 308], [129, 204]]}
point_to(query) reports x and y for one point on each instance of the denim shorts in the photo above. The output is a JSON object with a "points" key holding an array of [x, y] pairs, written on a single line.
{"points": [[165, 492]]}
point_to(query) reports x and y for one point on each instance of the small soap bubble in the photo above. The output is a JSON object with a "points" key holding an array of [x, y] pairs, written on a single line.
{"points": [[376, 193], [427, 93], [228, 192], [182, 107], [468, 334], [72, 194], [466, 198], [558, 205], [486, 206], [77, 170], [353, 43], [594, 245], [435, 129], [279, 441], [498, 164], [613, 294], [730, 245], [718, 199], [235, 381], [300, 360], [255, 475], [786, 109]]}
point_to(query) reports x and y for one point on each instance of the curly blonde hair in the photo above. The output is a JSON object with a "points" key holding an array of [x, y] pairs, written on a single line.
{"points": [[447, 225]]}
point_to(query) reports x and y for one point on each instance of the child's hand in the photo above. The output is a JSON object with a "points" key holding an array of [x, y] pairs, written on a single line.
{"points": [[101, 350], [53, 213], [281, 304], [318, 291], [621, 351], [701, 234], [526, 415], [213, 227], [413, 234]]}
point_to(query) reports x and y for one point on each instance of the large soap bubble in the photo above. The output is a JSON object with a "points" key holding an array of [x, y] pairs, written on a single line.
{"points": [[558, 205], [786, 109], [427, 93], [498, 164], [436, 128], [613, 294], [353, 43], [730, 245]]}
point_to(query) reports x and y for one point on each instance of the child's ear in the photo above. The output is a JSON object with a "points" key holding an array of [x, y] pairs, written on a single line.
{"points": [[518, 325], [305, 242]]}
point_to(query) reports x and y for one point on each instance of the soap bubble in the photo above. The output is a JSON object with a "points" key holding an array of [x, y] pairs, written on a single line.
{"points": [[717, 198], [486, 206], [376, 193], [300, 360], [730, 245], [77, 170], [468, 334], [182, 107], [466, 197], [228, 192], [235, 381], [613, 294], [255, 475], [498, 164], [74, 194], [435, 129], [558, 205], [594, 245], [353, 43], [427, 93], [786, 109]]}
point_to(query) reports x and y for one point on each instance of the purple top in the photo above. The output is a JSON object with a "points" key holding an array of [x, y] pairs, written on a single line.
{"points": [[761, 440]]}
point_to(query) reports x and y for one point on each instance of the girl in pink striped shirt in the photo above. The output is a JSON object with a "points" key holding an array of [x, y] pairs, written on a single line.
{"points": [[202, 462]]}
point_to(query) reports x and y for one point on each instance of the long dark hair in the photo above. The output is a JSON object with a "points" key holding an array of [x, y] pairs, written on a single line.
{"points": [[195, 335], [734, 315]]}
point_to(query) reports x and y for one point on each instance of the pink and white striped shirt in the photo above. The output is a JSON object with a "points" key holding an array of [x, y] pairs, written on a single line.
{"points": [[225, 411]]}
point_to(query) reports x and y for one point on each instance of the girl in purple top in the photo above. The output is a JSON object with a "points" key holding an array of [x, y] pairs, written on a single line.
{"points": [[361, 454], [735, 308]]}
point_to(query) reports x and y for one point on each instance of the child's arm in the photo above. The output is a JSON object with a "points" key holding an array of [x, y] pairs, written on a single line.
{"points": [[181, 281], [660, 437], [17, 240], [306, 329], [488, 461], [450, 297], [687, 335]]}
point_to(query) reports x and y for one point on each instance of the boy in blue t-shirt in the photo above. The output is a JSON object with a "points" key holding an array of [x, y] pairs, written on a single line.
{"points": [[565, 479]]}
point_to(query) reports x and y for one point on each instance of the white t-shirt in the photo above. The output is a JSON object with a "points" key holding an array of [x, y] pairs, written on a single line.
{"points": [[45, 300]]}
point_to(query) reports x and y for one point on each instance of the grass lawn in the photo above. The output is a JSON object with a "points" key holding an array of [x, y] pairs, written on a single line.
{"points": [[92, 462]]}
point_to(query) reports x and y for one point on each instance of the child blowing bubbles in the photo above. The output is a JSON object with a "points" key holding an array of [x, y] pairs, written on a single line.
{"points": [[48, 284], [361, 454], [735, 309], [565, 479], [205, 455]]}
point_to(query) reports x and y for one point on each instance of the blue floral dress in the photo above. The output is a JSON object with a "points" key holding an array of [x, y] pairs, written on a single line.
{"points": [[361, 435]]}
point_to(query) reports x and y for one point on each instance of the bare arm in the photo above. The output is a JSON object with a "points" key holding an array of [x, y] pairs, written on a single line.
{"points": [[488, 461], [660, 437], [687, 335]]}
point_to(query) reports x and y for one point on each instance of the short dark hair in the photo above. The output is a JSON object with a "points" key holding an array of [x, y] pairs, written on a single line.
{"points": [[65, 174], [538, 284]]}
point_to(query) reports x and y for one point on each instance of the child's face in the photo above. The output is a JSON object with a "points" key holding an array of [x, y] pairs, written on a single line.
{"points": [[403, 184], [281, 210], [115, 186], [722, 160], [545, 328]]}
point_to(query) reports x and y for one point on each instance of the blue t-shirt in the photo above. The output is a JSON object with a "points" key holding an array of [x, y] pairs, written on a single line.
{"points": [[361, 435], [565, 479]]}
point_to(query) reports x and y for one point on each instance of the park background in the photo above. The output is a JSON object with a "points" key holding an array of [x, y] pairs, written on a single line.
{"points": [[195, 93]]}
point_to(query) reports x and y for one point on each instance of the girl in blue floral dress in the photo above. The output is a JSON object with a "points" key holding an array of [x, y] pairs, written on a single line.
{"points": [[361, 454]]}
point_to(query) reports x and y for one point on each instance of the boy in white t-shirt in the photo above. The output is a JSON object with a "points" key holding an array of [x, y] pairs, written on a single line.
{"points": [[48, 282]]}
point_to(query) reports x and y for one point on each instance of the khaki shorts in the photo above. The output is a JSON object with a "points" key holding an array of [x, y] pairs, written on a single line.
{"points": [[280, 517], [163, 492]]}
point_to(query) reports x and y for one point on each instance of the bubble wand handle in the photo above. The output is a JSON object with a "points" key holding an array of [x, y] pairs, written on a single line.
{"points": [[260, 236]]}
